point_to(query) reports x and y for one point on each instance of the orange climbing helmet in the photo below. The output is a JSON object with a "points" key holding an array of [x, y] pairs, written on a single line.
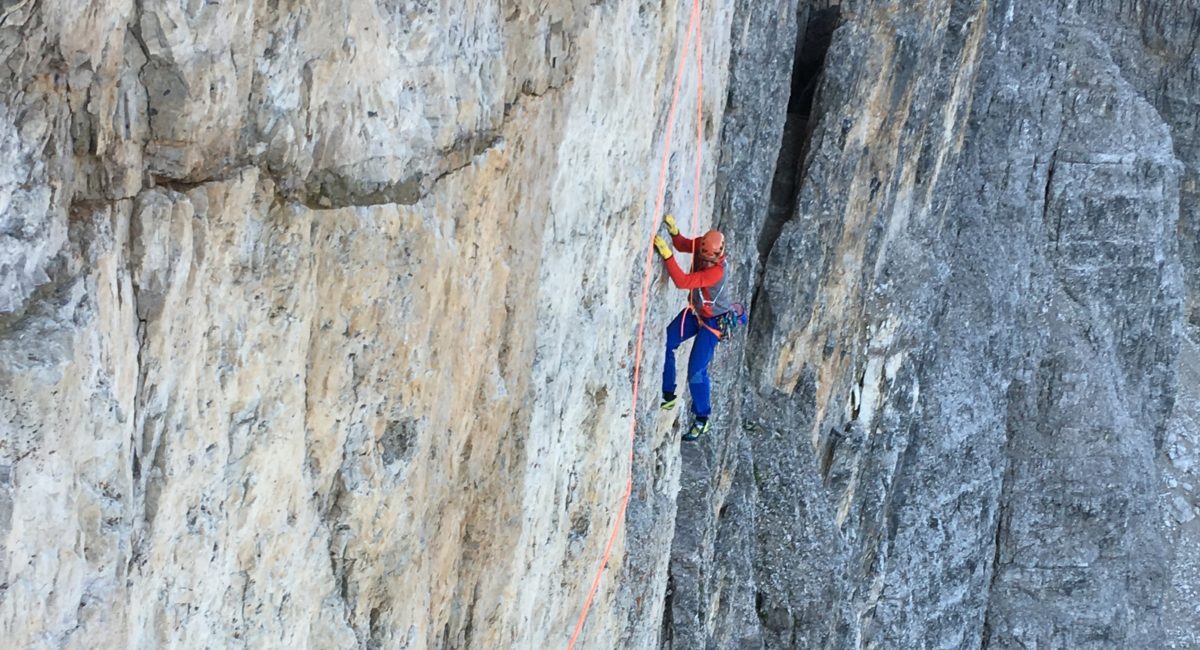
{"points": [[712, 245]]}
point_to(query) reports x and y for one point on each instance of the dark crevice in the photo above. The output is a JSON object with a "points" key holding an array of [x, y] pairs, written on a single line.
{"points": [[469, 618], [1016, 396], [1046, 201], [138, 449], [828, 450], [181, 186], [812, 44], [376, 638], [813, 39], [135, 29], [666, 635], [986, 634]]}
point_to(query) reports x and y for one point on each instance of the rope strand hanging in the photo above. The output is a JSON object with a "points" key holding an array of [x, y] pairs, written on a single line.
{"points": [[693, 30]]}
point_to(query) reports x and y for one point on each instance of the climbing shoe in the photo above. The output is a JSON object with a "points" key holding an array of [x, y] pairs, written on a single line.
{"points": [[699, 428], [668, 401]]}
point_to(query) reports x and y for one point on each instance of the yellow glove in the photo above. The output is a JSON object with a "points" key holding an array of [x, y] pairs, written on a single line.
{"points": [[661, 246], [671, 227]]}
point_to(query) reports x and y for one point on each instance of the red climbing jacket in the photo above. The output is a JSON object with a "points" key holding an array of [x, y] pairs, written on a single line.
{"points": [[704, 285]]}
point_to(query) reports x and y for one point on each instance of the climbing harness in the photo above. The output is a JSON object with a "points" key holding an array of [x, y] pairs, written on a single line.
{"points": [[726, 322]]}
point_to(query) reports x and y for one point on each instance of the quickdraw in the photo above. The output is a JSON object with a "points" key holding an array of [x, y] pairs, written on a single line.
{"points": [[726, 322]]}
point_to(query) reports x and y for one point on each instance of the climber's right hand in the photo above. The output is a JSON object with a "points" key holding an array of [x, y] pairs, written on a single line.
{"points": [[661, 246]]}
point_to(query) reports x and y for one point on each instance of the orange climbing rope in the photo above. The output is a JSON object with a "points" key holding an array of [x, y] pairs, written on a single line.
{"points": [[693, 29], [699, 143], [696, 193]]}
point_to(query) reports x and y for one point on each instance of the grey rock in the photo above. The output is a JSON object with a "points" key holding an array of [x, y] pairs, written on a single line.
{"points": [[964, 358]]}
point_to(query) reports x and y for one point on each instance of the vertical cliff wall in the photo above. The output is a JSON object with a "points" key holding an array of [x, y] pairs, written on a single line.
{"points": [[317, 319], [318, 324], [965, 419]]}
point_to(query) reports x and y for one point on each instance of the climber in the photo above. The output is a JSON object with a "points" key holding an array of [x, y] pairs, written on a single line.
{"points": [[700, 318]]}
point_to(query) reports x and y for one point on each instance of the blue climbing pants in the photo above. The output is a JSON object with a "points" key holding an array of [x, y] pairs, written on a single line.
{"points": [[702, 353]]}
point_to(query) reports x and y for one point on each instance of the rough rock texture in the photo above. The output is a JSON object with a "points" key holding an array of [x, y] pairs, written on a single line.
{"points": [[960, 386], [315, 319], [318, 324]]}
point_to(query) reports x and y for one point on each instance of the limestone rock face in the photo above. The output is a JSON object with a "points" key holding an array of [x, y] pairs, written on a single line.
{"points": [[321, 324], [318, 319]]}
